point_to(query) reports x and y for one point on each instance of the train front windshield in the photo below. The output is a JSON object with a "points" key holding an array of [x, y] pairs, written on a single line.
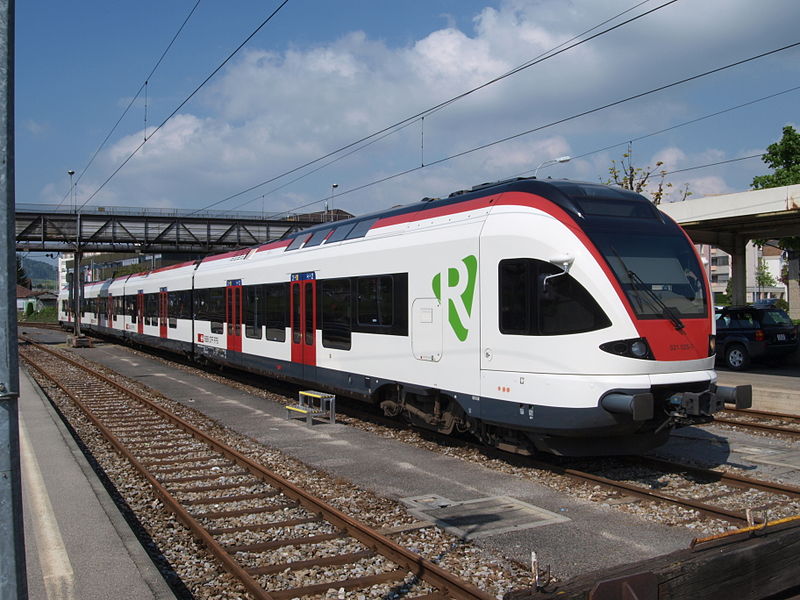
{"points": [[659, 273]]}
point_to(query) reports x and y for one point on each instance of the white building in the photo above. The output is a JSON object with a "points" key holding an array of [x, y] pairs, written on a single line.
{"points": [[718, 269]]}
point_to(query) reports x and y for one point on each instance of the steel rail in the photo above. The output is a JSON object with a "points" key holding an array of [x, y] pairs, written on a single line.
{"points": [[168, 499], [642, 492], [724, 476], [763, 413], [424, 569], [737, 517], [759, 426]]}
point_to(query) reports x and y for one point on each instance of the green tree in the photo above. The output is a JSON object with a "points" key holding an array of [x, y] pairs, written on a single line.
{"points": [[783, 157], [763, 277]]}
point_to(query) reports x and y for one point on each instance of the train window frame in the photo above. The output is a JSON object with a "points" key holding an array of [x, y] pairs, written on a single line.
{"points": [[252, 311], [340, 233], [209, 306], [361, 228], [298, 241], [318, 237], [371, 302], [276, 321], [335, 312], [541, 309]]}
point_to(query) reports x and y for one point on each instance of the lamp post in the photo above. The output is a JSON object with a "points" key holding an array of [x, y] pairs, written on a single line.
{"points": [[76, 261], [333, 189], [552, 161], [72, 190]]}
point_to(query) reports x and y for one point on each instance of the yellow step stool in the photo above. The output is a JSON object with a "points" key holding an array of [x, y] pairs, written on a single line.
{"points": [[313, 404]]}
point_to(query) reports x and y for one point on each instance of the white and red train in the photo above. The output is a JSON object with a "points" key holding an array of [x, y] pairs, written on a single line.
{"points": [[567, 317]]}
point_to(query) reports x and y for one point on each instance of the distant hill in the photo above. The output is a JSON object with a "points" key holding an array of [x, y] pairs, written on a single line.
{"points": [[41, 274]]}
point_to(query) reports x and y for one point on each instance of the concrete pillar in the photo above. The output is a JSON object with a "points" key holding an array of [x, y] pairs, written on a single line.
{"points": [[739, 270], [794, 285], [13, 580]]}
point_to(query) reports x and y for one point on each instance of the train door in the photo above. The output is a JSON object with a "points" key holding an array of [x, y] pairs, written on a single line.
{"points": [[140, 312], [233, 314], [110, 311], [163, 312], [304, 322]]}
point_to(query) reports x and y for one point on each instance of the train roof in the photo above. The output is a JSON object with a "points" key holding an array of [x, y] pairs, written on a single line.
{"points": [[581, 199]]}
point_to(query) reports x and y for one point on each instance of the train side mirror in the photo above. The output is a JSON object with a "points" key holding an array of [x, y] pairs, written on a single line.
{"points": [[564, 261]]}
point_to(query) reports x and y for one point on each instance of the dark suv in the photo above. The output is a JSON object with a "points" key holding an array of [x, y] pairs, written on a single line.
{"points": [[753, 332]]}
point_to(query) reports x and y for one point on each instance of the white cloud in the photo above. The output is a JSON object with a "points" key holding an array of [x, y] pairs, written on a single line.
{"points": [[35, 127], [271, 111]]}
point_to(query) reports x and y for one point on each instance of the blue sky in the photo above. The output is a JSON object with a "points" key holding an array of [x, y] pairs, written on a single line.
{"points": [[323, 74]]}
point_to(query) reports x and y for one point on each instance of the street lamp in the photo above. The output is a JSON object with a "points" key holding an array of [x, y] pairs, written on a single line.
{"points": [[333, 188], [552, 161], [71, 189]]}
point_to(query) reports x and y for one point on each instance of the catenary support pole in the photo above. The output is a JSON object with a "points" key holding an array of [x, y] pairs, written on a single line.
{"points": [[13, 581]]}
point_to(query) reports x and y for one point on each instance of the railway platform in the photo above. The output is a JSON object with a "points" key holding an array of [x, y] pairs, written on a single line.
{"points": [[78, 545]]}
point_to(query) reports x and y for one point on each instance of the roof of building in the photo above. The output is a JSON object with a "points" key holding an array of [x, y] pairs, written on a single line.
{"points": [[23, 292]]}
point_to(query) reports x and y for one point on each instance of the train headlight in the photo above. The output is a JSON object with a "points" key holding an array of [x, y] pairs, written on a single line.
{"points": [[639, 349], [634, 348]]}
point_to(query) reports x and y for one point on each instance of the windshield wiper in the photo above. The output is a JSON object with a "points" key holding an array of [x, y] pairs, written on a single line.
{"points": [[639, 284]]}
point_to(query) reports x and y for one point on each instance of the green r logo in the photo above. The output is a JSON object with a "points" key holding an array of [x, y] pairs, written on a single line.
{"points": [[459, 294]]}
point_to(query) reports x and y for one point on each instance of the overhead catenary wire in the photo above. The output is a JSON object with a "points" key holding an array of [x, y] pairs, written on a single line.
{"points": [[676, 126], [551, 124], [714, 164], [183, 103], [132, 100], [557, 50]]}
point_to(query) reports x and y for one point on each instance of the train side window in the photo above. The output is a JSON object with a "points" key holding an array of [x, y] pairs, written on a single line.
{"points": [[130, 308], [200, 305], [340, 233], [297, 335], [185, 305], [375, 301], [298, 241], [336, 313], [531, 306], [151, 309], [361, 228], [216, 309], [253, 311], [276, 310], [318, 238], [515, 297], [175, 301]]}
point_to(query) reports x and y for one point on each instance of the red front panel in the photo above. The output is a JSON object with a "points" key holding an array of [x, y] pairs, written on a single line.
{"points": [[304, 322], [233, 316]]}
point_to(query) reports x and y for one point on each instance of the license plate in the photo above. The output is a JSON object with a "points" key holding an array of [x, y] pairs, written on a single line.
{"points": [[781, 337]]}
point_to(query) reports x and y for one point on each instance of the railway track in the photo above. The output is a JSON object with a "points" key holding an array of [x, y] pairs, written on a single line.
{"points": [[769, 422], [714, 494], [244, 514], [721, 495]]}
